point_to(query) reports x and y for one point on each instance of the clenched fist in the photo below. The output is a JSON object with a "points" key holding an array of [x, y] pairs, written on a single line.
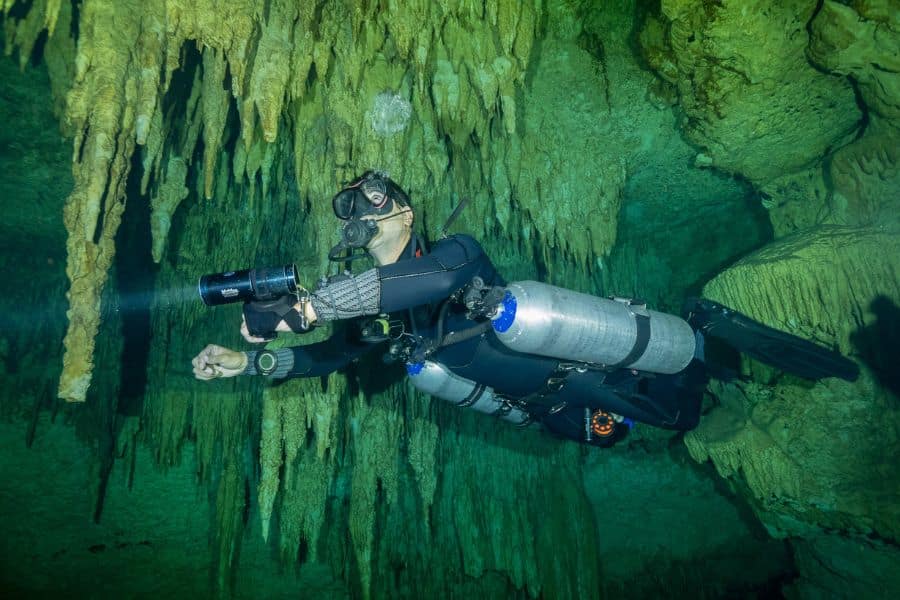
{"points": [[215, 361]]}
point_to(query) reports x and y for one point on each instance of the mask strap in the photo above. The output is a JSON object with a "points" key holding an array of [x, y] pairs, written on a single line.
{"points": [[396, 214]]}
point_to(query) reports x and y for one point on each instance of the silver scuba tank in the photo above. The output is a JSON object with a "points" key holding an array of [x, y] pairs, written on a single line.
{"points": [[437, 380], [550, 321]]}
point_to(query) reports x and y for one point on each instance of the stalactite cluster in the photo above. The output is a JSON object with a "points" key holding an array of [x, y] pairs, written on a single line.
{"points": [[313, 69], [773, 436], [262, 120], [244, 121], [749, 79]]}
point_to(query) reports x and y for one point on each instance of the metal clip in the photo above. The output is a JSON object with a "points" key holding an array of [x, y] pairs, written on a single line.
{"points": [[557, 408], [588, 430], [573, 367], [303, 299], [554, 384]]}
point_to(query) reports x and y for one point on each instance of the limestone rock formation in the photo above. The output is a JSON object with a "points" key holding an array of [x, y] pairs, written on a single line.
{"points": [[809, 456], [862, 40], [814, 458], [748, 95], [834, 565]]}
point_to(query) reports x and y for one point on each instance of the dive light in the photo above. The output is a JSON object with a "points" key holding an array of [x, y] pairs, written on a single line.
{"points": [[248, 285]]}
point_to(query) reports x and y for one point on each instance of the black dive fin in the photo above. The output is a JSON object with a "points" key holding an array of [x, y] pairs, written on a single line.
{"points": [[771, 346]]}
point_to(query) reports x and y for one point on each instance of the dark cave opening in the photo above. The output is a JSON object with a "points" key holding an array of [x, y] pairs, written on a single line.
{"points": [[135, 286]]}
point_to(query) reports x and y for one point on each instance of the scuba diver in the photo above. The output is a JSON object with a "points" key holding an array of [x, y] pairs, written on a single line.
{"points": [[586, 368]]}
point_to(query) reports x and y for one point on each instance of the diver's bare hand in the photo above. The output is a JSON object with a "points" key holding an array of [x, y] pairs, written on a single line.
{"points": [[215, 361]]}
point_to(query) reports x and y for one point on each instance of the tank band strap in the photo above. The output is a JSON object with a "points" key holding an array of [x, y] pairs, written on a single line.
{"points": [[474, 395], [641, 340]]}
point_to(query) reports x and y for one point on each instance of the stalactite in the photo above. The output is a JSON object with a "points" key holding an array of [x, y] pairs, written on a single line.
{"points": [[228, 526], [423, 442], [375, 439], [215, 102], [271, 458], [169, 195], [152, 152], [24, 34], [309, 470], [304, 80]]}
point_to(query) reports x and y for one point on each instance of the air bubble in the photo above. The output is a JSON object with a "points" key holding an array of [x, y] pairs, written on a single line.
{"points": [[390, 114]]}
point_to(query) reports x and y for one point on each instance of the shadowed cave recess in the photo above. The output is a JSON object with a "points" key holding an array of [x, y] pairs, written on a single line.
{"points": [[745, 151]]}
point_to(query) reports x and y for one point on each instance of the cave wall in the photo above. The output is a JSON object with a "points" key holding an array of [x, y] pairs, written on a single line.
{"points": [[752, 101], [815, 459], [613, 149], [812, 458]]}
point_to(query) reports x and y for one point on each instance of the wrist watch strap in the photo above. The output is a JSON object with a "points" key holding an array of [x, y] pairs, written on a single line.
{"points": [[270, 363]]}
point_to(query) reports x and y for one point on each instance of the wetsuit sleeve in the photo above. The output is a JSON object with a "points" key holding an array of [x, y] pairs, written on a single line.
{"points": [[325, 357], [313, 360], [433, 277], [404, 284]]}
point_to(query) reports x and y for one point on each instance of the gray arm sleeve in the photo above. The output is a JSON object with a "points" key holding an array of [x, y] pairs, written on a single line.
{"points": [[352, 297]]}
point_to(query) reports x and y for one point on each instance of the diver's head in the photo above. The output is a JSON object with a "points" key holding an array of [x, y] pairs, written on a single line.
{"points": [[376, 216]]}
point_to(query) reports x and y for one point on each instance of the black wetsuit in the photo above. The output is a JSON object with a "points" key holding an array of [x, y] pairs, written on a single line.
{"points": [[413, 288]]}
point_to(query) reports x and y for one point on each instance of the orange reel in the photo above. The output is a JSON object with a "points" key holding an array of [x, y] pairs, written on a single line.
{"points": [[602, 424]]}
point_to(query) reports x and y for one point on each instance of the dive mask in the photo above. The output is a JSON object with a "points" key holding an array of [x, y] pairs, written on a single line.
{"points": [[370, 195], [366, 196]]}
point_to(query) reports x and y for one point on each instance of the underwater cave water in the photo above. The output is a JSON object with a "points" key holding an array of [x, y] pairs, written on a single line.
{"points": [[602, 160]]}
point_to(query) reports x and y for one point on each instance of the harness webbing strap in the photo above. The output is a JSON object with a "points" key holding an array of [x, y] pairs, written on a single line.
{"points": [[542, 401]]}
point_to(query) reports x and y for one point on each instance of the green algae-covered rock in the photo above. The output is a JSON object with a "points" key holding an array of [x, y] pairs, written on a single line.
{"points": [[835, 566], [814, 456], [745, 84], [751, 100], [862, 40]]}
